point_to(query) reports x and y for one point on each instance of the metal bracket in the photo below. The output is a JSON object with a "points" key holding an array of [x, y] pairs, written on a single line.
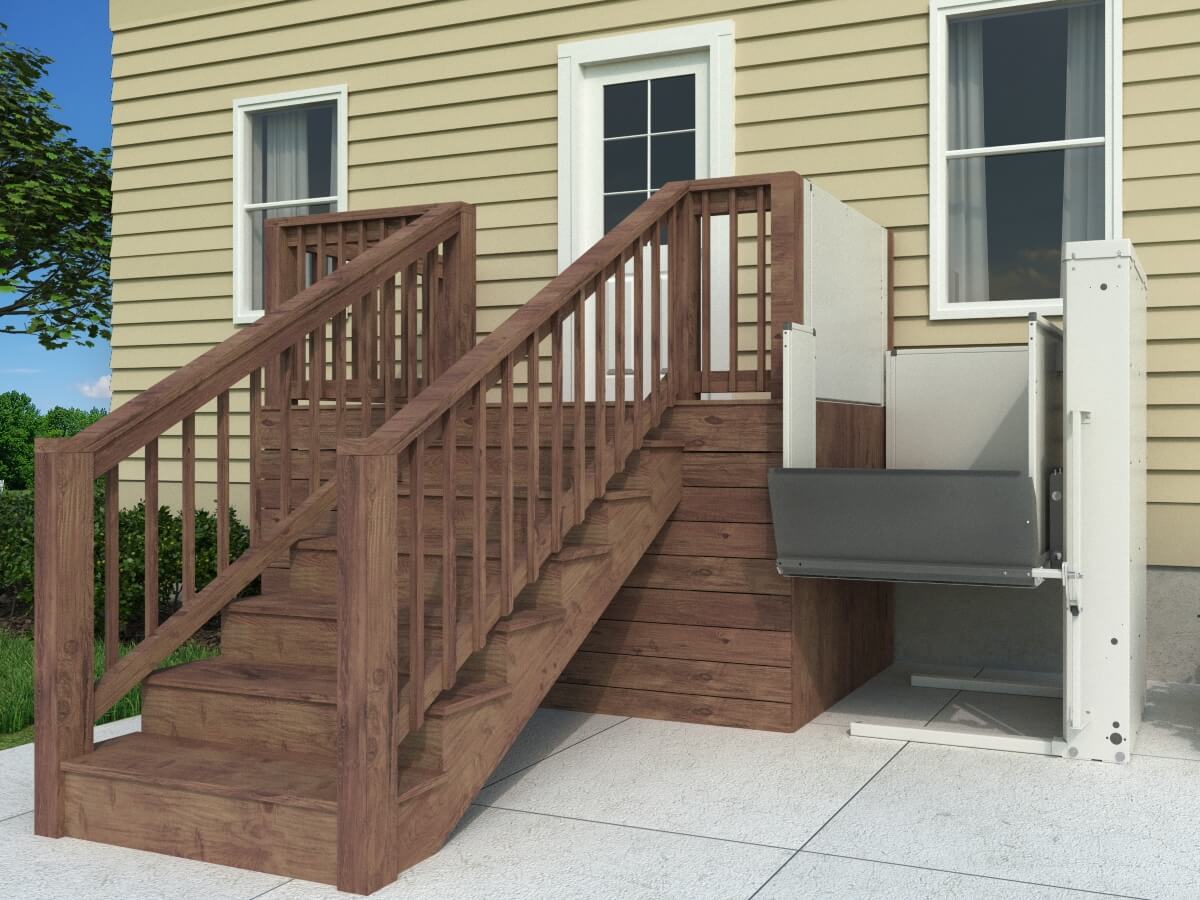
{"points": [[1072, 584]]}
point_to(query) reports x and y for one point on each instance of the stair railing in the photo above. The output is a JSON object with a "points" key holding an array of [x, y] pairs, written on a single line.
{"points": [[331, 342], [531, 424]]}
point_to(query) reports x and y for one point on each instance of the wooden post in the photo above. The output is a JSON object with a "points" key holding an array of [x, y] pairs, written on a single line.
{"points": [[368, 671], [787, 267], [458, 269], [63, 625]]}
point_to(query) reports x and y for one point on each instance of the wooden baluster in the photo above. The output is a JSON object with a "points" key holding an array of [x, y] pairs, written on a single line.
{"points": [[655, 325], [556, 432], [362, 356], [373, 304], [388, 369], [733, 291], [428, 343], [409, 288], [449, 551], [316, 357], [255, 449], [618, 457], [479, 535], [112, 567], [601, 436], [150, 585], [188, 512], [638, 349], [341, 245], [761, 322], [302, 281], [706, 296], [339, 373], [416, 583], [286, 361], [506, 490], [223, 481], [579, 443], [532, 409]]}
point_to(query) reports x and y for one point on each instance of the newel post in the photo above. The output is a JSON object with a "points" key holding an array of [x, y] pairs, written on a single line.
{"points": [[63, 624], [368, 670], [787, 266], [458, 272]]}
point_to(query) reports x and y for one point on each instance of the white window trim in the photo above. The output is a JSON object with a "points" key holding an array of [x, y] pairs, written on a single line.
{"points": [[716, 38], [242, 155], [939, 14]]}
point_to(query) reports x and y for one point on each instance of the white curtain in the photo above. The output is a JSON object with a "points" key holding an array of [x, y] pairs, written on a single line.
{"points": [[279, 172], [1083, 169], [966, 179]]}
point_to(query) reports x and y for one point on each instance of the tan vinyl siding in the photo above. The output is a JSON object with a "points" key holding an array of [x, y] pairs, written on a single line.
{"points": [[457, 100]]}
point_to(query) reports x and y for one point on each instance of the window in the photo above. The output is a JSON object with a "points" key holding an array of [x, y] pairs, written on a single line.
{"points": [[289, 160], [649, 140], [1021, 150]]}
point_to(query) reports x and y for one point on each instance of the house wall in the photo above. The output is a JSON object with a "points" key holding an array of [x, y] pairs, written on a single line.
{"points": [[457, 100]]}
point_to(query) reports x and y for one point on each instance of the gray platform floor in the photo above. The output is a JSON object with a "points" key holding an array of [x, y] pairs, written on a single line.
{"points": [[590, 806]]}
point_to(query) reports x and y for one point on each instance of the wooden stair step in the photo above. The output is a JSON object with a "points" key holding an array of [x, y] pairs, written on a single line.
{"points": [[628, 494], [577, 552], [530, 618], [304, 683], [289, 779], [293, 606], [415, 781], [467, 696]]}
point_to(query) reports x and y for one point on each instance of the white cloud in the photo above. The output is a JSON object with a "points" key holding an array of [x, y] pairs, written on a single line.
{"points": [[100, 389]]}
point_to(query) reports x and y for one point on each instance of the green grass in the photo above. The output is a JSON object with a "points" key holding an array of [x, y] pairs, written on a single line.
{"points": [[16, 685]]}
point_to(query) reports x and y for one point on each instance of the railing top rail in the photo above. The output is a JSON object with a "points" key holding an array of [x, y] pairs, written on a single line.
{"points": [[369, 215], [427, 409], [156, 409]]}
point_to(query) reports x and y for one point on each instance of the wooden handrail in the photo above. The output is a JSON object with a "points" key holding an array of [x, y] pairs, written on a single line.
{"points": [[456, 382], [150, 413]]}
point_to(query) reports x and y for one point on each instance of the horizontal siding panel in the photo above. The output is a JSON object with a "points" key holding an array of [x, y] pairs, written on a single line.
{"points": [[1180, 61], [170, 309], [1174, 455], [170, 174], [1152, 129], [169, 199], [1174, 389], [1174, 421], [1160, 96], [1167, 159], [1167, 324], [210, 215], [173, 286], [526, 108], [498, 164], [167, 242], [882, 65], [163, 152], [500, 138], [1178, 192], [1162, 225], [1174, 356], [826, 101], [1162, 31], [1173, 487], [1172, 534], [178, 263], [173, 127]]}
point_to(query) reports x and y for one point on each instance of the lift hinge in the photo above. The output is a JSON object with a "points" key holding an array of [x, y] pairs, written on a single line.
{"points": [[1072, 588]]}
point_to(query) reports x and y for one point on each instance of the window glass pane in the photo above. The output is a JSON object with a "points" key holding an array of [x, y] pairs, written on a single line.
{"points": [[294, 153], [625, 165], [1009, 216], [1017, 78], [618, 207], [258, 251], [672, 158], [673, 103], [625, 108]]}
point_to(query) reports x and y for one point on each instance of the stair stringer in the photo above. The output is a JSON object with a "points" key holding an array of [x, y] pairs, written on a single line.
{"points": [[426, 821]]}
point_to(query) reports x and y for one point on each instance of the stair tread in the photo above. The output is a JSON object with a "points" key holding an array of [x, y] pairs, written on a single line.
{"points": [[530, 618], [467, 696], [297, 606], [311, 684], [433, 547], [573, 552], [290, 779], [629, 494], [414, 781]]}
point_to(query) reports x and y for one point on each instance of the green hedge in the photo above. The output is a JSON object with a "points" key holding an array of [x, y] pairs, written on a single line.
{"points": [[16, 556]]}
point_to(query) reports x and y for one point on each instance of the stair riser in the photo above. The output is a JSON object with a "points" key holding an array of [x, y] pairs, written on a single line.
{"points": [[266, 837], [242, 720]]}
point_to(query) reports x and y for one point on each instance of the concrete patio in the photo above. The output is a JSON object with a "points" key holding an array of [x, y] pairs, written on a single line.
{"points": [[605, 807]]}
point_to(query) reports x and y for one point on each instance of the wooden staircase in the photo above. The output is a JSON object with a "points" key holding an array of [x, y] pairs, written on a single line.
{"points": [[436, 527], [242, 748]]}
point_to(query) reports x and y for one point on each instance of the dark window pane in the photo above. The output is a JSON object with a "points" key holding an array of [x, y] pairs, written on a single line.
{"points": [[1026, 77], [625, 108], [673, 103], [295, 153], [618, 207], [672, 158], [1006, 223], [625, 165]]}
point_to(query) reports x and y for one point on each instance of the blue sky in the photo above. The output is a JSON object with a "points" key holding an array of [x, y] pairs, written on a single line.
{"points": [[75, 33]]}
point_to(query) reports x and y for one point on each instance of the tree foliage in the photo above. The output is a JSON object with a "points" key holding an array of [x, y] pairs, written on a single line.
{"points": [[20, 423], [55, 200]]}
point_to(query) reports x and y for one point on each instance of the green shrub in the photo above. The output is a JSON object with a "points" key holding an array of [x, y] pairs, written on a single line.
{"points": [[16, 556], [16, 680]]}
